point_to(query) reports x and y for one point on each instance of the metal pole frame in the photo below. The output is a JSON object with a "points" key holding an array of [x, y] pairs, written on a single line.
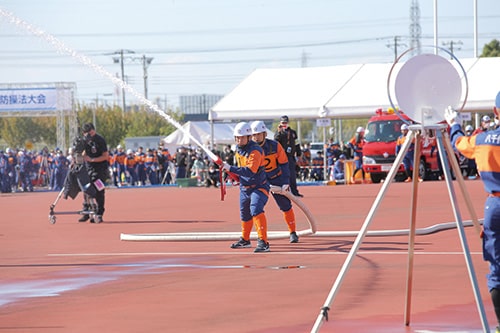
{"points": [[414, 134]]}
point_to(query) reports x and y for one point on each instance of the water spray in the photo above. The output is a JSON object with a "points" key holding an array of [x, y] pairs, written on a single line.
{"points": [[64, 49]]}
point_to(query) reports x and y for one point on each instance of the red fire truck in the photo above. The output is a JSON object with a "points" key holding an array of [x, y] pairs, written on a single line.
{"points": [[379, 151]]}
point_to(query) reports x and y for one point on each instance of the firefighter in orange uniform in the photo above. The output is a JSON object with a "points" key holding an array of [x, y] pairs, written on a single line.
{"points": [[151, 165], [254, 188], [119, 165], [356, 145], [408, 158], [130, 165], [140, 169], [485, 149], [278, 173]]}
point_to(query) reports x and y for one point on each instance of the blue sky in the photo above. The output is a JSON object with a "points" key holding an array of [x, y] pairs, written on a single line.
{"points": [[208, 47]]}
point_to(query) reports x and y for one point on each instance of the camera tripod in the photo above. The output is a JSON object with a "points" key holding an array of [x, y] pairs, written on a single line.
{"points": [[76, 180], [446, 154]]}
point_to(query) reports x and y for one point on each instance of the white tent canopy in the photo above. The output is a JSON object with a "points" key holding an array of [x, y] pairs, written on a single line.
{"points": [[347, 91], [270, 93], [202, 132]]}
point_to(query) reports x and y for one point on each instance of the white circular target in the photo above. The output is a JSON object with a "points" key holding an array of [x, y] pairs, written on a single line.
{"points": [[425, 86]]}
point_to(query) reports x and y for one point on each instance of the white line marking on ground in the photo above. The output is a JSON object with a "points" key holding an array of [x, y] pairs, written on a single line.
{"points": [[248, 253]]}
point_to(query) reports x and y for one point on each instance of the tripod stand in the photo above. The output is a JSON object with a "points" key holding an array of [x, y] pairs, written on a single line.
{"points": [[445, 150]]}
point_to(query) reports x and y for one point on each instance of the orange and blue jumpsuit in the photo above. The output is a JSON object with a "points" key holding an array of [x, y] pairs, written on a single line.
{"points": [[318, 165], [119, 166], [408, 158], [254, 189], [140, 169], [278, 174], [151, 165], [485, 149], [130, 163], [356, 144]]}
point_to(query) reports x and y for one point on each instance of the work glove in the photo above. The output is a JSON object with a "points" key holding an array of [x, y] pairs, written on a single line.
{"points": [[452, 117], [226, 166], [285, 188]]}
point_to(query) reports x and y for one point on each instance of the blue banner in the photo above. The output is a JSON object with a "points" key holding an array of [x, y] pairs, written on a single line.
{"points": [[28, 99]]}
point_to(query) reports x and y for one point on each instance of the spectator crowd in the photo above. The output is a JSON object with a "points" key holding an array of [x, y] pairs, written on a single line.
{"points": [[22, 170]]}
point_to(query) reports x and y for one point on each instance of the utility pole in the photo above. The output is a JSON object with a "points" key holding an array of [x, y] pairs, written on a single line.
{"points": [[146, 61], [395, 45], [451, 45], [120, 60], [415, 29], [303, 59]]}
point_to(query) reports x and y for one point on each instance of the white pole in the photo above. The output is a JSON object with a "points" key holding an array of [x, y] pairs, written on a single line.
{"points": [[435, 27], [475, 30]]}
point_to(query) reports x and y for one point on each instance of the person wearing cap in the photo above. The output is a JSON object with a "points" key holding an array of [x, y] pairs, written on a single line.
{"points": [[181, 162], [287, 137], [332, 151], [408, 158], [119, 169], [356, 145], [25, 168], [60, 168], [485, 149], [254, 187], [164, 158], [278, 173], [485, 125], [338, 168], [96, 157], [140, 169], [130, 165], [151, 166]]}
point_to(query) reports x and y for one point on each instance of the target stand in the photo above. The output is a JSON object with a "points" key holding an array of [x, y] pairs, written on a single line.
{"points": [[439, 96]]}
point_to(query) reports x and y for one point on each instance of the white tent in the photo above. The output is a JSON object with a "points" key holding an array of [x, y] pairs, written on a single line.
{"points": [[270, 93], [202, 132], [346, 91]]}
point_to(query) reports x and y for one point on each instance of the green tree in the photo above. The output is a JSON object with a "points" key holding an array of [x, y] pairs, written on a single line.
{"points": [[109, 121], [48, 132], [149, 123], [18, 131], [492, 49], [111, 124]]}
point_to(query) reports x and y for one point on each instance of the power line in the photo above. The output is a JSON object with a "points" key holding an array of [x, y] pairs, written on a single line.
{"points": [[453, 46]]}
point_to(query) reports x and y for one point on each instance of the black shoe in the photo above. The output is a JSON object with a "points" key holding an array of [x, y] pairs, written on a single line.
{"points": [[241, 243], [98, 219], [84, 218], [293, 237], [262, 246]]}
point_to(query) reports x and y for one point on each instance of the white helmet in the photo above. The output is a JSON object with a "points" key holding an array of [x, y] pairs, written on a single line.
{"points": [[129, 151], [469, 128], [119, 147], [258, 127], [242, 129], [404, 127], [360, 129]]}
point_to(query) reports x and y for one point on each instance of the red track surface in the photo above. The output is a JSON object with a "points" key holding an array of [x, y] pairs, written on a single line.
{"points": [[80, 277]]}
